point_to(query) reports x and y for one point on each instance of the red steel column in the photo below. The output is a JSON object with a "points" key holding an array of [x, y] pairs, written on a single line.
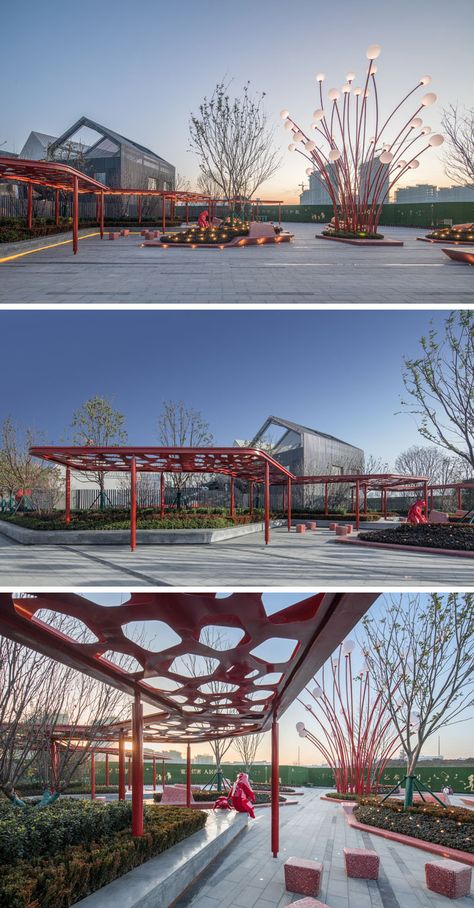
{"points": [[102, 208], [139, 217], [279, 214], [267, 502], [163, 214], [326, 500], [53, 754], [459, 499], [251, 498], [425, 492], [275, 790], [187, 212], [29, 216], [162, 495], [289, 504], [188, 775], [232, 497], [365, 498], [133, 504], [154, 772], [75, 215], [352, 501], [129, 773], [106, 769], [357, 502], [137, 767], [56, 207], [163, 775], [92, 775], [68, 495], [121, 767]]}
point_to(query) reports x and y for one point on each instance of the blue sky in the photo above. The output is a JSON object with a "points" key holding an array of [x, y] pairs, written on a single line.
{"points": [[142, 68], [455, 741], [339, 372]]}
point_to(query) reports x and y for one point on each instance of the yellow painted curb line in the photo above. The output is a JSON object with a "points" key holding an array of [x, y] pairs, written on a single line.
{"points": [[19, 255]]}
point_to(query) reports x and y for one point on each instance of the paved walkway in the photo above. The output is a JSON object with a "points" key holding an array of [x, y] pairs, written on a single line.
{"points": [[305, 271], [248, 877], [310, 560]]}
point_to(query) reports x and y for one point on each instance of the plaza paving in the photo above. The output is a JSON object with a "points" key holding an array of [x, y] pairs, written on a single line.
{"points": [[305, 271], [248, 877], [289, 561]]}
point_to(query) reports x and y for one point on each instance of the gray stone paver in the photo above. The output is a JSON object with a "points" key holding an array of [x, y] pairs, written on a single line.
{"points": [[289, 560], [247, 875], [305, 271]]}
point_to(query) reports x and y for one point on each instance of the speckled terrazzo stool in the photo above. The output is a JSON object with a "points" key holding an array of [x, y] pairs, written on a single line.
{"points": [[309, 903], [361, 863], [449, 878], [302, 875]]}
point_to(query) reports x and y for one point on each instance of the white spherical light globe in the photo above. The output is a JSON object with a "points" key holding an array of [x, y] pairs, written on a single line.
{"points": [[426, 130], [402, 163], [288, 125], [284, 114], [373, 70], [425, 80], [317, 691], [334, 94], [350, 77], [320, 77], [299, 726], [309, 171], [348, 647], [373, 51], [310, 146], [415, 123], [429, 99], [386, 157], [435, 140], [346, 88], [298, 136], [334, 154], [414, 164], [357, 92], [291, 147], [318, 114]]}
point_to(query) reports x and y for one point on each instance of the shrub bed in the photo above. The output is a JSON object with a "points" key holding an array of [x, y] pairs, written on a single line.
{"points": [[119, 519], [61, 878], [333, 515], [214, 236], [30, 789], [436, 535], [261, 797], [451, 826], [353, 234]]}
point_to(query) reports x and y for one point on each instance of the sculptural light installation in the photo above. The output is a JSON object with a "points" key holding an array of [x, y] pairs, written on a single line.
{"points": [[351, 153], [356, 735]]}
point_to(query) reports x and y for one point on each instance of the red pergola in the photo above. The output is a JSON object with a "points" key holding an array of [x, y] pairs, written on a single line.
{"points": [[248, 700], [362, 483], [249, 464], [57, 176]]}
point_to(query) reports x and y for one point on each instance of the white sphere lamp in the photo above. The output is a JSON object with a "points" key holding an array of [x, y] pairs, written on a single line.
{"points": [[373, 51]]}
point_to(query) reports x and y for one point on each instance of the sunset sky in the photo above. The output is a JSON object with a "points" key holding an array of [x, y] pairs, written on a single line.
{"points": [[142, 69]]}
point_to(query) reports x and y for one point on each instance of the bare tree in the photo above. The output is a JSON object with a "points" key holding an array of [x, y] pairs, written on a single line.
{"points": [[458, 127], [440, 383], [207, 186], [181, 183], [247, 747], [180, 426], [97, 424], [19, 470], [233, 142], [426, 643]]}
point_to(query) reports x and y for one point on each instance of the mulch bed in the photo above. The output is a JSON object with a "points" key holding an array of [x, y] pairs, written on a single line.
{"points": [[436, 536]]}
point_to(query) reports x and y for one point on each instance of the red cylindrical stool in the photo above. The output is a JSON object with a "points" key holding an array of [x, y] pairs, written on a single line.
{"points": [[341, 530], [349, 528], [124, 232], [332, 526], [312, 525], [301, 528]]}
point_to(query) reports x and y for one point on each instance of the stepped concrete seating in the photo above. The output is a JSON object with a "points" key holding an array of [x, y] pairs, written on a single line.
{"points": [[449, 878], [303, 875], [361, 863], [309, 903]]}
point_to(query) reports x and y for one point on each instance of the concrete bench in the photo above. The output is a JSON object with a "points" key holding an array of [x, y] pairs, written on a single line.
{"points": [[448, 878], [302, 875], [309, 903], [361, 863], [301, 528]]}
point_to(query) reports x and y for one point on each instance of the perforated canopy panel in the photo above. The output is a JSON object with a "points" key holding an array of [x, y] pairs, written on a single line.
{"points": [[246, 463], [227, 691], [51, 174]]}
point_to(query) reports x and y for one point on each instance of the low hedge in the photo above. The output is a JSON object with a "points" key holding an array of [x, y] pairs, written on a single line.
{"points": [[62, 879], [429, 535], [261, 797], [451, 826], [30, 789], [119, 519]]}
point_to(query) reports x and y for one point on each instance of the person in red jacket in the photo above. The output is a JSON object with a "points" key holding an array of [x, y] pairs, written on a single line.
{"points": [[417, 512], [203, 219], [242, 795]]}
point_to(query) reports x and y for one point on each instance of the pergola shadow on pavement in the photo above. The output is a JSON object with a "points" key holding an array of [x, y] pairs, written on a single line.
{"points": [[254, 689], [253, 465]]}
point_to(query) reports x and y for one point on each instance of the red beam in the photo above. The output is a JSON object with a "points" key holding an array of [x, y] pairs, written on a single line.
{"points": [[137, 767]]}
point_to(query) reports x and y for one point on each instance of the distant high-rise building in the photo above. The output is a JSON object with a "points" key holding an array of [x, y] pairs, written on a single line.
{"points": [[317, 194], [456, 193], [422, 192], [377, 176]]}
